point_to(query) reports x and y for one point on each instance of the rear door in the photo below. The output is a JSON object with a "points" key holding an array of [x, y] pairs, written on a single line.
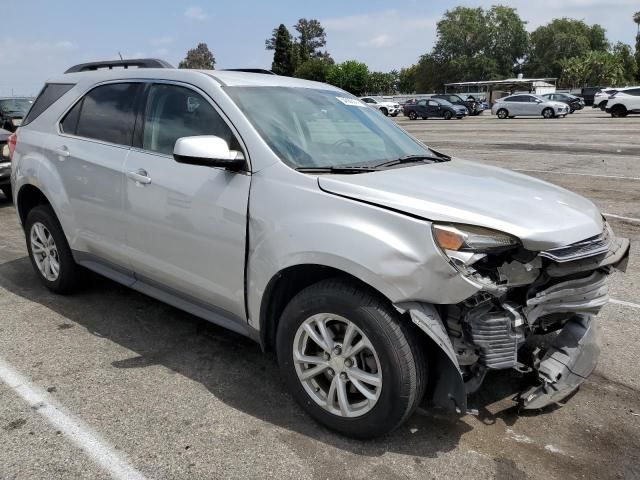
{"points": [[186, 224], [96, 134]]}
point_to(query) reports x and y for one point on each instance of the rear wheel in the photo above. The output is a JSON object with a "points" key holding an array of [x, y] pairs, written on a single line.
{"points": [[349, 359], [49, 251], [412, 115], [619, 111], [548, 113], [502, 113], [6, 190]]}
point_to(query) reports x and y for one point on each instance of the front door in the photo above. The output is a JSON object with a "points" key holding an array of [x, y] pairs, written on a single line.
{"points": [[186, 224]]}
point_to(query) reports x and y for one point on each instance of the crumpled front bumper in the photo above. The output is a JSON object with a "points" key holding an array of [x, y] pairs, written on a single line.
{"points": [[572, 357]]}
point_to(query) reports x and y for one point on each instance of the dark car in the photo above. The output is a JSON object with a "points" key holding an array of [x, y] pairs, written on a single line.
{"points": [[5, 164], [12, 111], [588, 94], [434, 107], [473, 107], [572, 101]]}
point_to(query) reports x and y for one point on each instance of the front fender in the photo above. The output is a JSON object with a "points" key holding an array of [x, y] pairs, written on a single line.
{"points": [[448, 389]]}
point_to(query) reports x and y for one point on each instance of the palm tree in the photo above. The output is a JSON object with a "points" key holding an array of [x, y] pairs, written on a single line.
{"points": [[636, 19]]}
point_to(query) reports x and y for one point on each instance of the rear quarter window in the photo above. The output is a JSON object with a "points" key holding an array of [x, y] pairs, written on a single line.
{"points": [[49, 95]]}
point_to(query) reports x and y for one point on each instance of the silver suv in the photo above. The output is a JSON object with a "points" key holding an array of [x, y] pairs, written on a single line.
{"points": [[382, 273]]}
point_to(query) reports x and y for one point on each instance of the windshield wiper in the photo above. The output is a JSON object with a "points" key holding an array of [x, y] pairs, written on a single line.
{"points": [[338, 169], [409, 159]]}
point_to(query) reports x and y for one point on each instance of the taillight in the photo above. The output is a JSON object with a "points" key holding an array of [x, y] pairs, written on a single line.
{"points": [[11, 141]]}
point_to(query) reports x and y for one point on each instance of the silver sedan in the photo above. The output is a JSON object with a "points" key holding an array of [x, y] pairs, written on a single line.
{"points": [[528, 105]]}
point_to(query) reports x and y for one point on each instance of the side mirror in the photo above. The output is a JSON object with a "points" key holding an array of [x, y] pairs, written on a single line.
{"points": [[207, 151]]}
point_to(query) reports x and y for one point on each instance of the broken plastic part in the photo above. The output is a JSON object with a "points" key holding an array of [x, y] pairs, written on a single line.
{"points": [[572, 357]]}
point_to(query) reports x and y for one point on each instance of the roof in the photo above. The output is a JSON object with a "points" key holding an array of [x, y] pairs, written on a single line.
{"points": [[223, 77]]}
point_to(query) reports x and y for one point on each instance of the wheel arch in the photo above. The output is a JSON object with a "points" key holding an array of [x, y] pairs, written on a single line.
{"points": [[286, 284], [29, 196]]}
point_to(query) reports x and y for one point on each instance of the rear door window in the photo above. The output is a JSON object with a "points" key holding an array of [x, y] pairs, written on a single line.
{"points": [[106, 113]]}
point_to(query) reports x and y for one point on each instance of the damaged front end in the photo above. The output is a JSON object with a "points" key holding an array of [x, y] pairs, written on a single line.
{"points": [[522, 296]]}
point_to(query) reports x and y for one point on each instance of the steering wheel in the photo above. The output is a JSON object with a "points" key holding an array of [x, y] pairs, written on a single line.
{"points": [[344, 142]]}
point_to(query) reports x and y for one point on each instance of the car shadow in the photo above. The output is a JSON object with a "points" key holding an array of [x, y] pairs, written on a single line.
{"points": [[233, 368]]}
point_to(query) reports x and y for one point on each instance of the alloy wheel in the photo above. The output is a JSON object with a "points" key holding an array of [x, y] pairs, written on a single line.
{"points": [[337, 365], [45, 252]]}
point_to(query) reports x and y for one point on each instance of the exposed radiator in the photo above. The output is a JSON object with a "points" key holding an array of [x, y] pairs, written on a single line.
{"points": [[497, 338]]}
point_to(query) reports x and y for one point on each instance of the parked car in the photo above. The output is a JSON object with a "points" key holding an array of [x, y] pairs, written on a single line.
{"points": [[623, 102], [5, 164], [588, 94], [382, 272], [602, 97], [434, 107], [385, 106], [472, 106], [574, 103], [12, 111], [522, 105]]}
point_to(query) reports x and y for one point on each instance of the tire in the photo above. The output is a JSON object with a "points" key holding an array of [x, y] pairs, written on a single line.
{"points": [[6, 190], [619, 111], [447, 115], [548, 113], [602, 105], [412, 115], [384, 111], [402, 366], [502, 113], [69, 273], [572, 110], [394, 114]]}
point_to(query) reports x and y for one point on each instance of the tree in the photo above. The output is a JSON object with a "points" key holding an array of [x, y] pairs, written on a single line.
{"points": [[350, 75], [311, 38], [407, 79], [562, 39], [482, 44], [624, 55], [199, 58], [283, 55], [315, 69], [382, 83]]}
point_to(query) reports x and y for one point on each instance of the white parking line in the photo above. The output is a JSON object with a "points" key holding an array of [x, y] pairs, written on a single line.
{"points": [[629, 219], [79, 433], [555, 172], [623, 303]]}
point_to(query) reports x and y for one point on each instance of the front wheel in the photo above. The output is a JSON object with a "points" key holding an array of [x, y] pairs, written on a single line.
{"points": [[49, 251], [447, 115], [548, 113], [349, 359], [502, 114], [412, 115], [384, 111]]}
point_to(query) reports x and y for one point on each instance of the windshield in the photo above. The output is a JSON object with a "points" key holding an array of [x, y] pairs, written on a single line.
{"points": [[16, 105], [310, 128]]}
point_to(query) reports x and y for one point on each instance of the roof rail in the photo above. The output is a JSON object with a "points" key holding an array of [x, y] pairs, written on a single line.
{"points": [[249, 70], [110, 64]]}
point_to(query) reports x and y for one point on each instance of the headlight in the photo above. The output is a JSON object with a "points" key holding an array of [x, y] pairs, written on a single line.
{"points": [[468, 238]]}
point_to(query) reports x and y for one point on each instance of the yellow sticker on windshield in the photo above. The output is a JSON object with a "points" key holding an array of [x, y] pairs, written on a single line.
{"points": [[353, 102]]}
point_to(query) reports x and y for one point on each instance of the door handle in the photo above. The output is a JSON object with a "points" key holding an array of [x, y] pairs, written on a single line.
{"points": [[63, 152], [140, 176]]}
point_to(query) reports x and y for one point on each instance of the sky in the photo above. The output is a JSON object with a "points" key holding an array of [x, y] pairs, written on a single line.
{"points": [[42, 38]]}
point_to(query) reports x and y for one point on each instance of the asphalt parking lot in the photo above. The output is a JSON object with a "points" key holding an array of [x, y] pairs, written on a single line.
{"points": [[169, 396]]}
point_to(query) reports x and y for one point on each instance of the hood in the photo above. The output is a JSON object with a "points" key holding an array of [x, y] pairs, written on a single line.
{"points": [[540, 214]]}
